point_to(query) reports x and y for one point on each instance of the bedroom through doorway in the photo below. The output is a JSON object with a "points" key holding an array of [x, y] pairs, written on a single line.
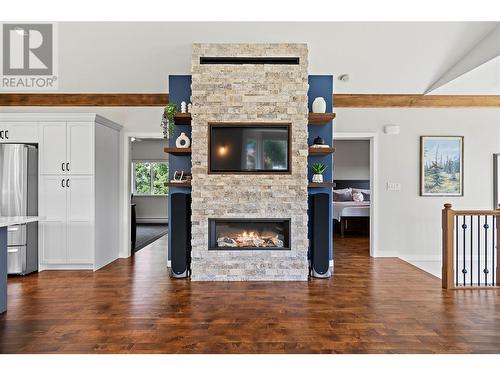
{"points": [[352, 196]]}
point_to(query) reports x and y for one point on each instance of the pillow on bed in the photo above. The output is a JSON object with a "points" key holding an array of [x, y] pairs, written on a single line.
{"points": [[342, 195], [357, 196], [365, 192]]}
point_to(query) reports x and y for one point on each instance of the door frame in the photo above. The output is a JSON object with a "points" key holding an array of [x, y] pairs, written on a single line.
{"points": [[125, 241], [373, 139]]}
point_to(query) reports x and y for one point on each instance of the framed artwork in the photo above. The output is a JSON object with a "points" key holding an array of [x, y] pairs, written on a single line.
{"points": [[442, 166], [496, 180]]}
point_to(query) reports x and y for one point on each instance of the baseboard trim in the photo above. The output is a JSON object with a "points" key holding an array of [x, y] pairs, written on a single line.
{"points": [[420, 257], [66, 267], [152, 220]]}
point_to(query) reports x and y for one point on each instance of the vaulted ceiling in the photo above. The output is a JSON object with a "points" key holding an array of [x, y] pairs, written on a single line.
{"points": [[379, 57]]}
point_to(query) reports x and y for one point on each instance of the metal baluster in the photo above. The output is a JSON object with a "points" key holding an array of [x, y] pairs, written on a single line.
{"points": [[478, 250], [471, 247], [464, 270], [456, 250], [486, 226], [493, 224]]}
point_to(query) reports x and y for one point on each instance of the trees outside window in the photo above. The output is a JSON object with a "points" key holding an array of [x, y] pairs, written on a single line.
{"points": [[149, 177]]}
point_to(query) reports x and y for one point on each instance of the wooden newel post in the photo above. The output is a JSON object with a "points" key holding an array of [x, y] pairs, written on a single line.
{"points": [[447, 228], [497, 223]]}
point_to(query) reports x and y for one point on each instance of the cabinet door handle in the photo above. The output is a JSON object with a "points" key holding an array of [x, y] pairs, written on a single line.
{"points": [[1, 134], [67, 167], [67, 182], [62, 183], [62, 166], [6, 134]]}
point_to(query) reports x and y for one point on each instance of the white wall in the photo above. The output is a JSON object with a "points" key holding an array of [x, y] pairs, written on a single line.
{"points": [[150, 209], [149, 149], [381, 57], [410, 225], [352, 160]]}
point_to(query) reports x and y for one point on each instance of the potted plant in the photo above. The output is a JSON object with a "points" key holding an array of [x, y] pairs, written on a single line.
{"points": [[168, 120], [318, 170]]}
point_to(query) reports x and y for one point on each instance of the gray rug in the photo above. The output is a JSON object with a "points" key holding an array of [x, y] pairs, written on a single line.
{"points": [[149, 233]]}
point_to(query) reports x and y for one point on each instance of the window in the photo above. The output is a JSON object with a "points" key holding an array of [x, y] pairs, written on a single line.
{"points": [[149, 177]]}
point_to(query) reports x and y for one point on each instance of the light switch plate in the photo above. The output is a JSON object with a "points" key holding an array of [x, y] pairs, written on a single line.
{"points": [[393, 186]]}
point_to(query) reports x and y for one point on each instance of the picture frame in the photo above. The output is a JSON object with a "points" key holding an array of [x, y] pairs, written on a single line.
{"points": [[496, 180], [442, 166]]}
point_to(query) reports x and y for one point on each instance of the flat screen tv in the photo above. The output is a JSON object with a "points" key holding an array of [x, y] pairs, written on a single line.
{"points": [[240, 148]]}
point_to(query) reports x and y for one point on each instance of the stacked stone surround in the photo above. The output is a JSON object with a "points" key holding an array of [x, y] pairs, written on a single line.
{"points": [[249, 94]]}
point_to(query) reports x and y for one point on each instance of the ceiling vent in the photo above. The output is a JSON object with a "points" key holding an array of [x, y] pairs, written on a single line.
{"points": [[250, 60]]}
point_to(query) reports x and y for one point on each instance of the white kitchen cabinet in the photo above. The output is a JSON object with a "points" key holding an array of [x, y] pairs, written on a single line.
{"points": [[52, 148], [19, 132], [78, 186], [80, 219], [67, 148], [67, 220], [80, 148], [52, 227]]}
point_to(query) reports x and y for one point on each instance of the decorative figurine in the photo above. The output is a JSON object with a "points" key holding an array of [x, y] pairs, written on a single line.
{"points": [[319, 141], [190, 107], [183, 107], [182, 141]]}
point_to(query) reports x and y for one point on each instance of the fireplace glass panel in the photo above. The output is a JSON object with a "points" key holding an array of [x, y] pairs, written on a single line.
{"points": [[254, 234]]}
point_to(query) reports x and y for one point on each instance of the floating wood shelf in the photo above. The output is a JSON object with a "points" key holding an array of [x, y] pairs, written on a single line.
{"points": [[321, 150], [314, 118], [320, 118], [178, 184], [182, 118], [177, 151], [321, 184]]}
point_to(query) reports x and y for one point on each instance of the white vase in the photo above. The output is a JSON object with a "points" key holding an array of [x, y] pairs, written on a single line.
{"points": [[319, 105], [317, 178], [183, 107], [182, 141]]}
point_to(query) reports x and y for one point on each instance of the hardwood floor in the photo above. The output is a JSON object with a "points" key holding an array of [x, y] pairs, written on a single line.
{"points": [[131, 306]]}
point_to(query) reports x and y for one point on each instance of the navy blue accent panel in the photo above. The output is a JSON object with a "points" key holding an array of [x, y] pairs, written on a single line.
{"points": [[3, 269], [322, 86], [179, 87], [179, 91]]}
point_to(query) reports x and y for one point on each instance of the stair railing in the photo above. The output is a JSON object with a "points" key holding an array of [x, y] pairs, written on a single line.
{"points": [[470, 253]]}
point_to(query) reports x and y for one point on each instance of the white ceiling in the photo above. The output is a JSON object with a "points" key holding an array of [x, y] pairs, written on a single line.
{"points": [[379, 57], [483, 80]]}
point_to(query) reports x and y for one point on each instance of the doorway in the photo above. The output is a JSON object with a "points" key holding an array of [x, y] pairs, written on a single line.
{"points": [[355, 195], [145, 197]]}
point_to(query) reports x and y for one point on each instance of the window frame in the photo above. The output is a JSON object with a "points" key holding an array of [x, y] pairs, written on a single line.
{"points": [[151, 177]]}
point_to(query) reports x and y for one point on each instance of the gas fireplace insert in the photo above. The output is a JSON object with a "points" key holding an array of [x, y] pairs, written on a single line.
{"points": [[249, 234]]}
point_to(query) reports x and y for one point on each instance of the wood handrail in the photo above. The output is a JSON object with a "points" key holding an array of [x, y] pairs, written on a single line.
{"points": [[496, 212], [448, 234]]}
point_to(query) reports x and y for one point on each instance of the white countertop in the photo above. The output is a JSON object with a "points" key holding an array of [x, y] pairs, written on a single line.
{"points": [[6, 221]]}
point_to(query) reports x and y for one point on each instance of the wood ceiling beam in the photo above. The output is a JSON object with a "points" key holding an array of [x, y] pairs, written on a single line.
{"points": [[84, 100], [339, 100], [414, 101]]}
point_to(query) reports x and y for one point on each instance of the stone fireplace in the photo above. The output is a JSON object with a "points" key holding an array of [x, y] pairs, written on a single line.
{"points": [[249, 226]]}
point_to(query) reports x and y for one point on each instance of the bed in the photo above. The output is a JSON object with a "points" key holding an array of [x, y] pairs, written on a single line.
{"points": [[344, 211]]}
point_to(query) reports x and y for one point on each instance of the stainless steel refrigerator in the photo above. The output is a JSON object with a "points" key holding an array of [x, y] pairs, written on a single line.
{"points": [[19, 197]]}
